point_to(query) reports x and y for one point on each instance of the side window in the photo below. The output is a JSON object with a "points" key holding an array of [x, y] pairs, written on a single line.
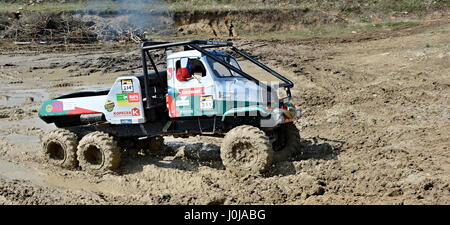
{"points": [[186, 68], [222, 71], [197, 67], [177, 65], [234, 63]]}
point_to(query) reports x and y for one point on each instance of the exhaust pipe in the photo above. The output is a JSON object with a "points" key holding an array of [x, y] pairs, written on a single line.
{"points": [[91, 118]]}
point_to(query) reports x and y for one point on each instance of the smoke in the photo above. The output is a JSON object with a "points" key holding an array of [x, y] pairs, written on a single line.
{"points": [[142, 17]]}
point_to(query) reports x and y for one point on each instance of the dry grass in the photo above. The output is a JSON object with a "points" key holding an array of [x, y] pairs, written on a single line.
{"points": [[49, 27]]}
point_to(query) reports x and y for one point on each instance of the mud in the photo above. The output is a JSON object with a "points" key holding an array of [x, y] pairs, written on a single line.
{"points": [[374, 128]]}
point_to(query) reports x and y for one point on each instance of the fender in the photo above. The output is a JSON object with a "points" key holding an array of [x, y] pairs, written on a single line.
{"points": [[246, 109], [72, 106]]}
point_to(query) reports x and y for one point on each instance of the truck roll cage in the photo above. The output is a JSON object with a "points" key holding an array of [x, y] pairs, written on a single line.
{"points": [[201, 45]]}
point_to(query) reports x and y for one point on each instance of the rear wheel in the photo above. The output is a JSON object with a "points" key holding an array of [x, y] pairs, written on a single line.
{"points": [[287, 143], [59, 148], [98, 151], [246, 150]]}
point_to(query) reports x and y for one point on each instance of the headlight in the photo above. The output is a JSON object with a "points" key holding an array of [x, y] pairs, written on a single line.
{"points": [[298, 112]]}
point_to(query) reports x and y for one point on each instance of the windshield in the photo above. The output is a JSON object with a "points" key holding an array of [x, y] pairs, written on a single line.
{"points": [[220, 70]]}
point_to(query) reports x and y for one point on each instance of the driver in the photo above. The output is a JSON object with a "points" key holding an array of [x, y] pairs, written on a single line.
{"points": [[190, 68], [184, 72]]}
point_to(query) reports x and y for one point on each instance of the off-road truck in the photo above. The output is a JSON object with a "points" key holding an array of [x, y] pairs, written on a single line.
{"points": [[200, 92]]}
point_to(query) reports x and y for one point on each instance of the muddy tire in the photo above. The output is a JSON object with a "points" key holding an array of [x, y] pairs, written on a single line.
{"points": [[98, 152], [60, 148], [288, 142], [246, 150]]}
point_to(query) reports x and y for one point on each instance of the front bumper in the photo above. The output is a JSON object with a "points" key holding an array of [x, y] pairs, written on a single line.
{"points": [[287, 114], [291, 113]]}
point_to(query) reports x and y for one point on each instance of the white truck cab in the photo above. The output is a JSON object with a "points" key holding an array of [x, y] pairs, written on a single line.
{"points": [[200, 86]]}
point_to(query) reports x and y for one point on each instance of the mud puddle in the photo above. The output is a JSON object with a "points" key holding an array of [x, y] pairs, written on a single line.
{"points": [[33, 122], [19, 97], [21, 139], [93, 87]]}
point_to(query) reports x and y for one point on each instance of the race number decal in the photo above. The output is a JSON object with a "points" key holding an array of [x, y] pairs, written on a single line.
{"points": [[206, 102], [127, 85]]}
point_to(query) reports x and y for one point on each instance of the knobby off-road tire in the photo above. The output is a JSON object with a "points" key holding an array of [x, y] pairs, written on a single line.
{"points": [[246, 150], [98, 152], [288, 142], [59, 148]]}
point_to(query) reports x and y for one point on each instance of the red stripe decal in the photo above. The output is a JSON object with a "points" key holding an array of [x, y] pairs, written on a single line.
{"points": [[78, 110], [191, 91]]}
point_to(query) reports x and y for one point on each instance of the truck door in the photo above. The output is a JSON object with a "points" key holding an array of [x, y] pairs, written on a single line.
{"points": [[192, 90]]}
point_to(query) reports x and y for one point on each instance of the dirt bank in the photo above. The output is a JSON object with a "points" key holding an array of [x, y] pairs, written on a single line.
{"points": [[107, 21], [374, 129], [216, 23]]}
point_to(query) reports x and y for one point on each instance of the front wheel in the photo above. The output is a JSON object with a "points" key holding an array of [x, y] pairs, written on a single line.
{"points": [[246, 150], [98, 151]]}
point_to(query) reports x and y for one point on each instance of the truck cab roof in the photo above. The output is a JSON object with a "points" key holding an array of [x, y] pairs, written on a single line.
{"points": [[193, 53]]}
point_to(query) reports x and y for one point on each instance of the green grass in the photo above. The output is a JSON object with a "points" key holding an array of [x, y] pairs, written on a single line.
{"points": [[43, 7], [95, 5], [177, 7], [235, 6], [356, 7]]}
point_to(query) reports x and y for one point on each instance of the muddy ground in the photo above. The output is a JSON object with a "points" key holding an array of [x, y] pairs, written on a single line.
{"points": [[375, 127]]}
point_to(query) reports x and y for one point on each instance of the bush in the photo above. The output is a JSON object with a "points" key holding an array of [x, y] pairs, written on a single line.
{"points": [[50, 27]]}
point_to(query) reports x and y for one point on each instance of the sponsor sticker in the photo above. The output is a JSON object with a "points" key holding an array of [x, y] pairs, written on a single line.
{"points": [[187, 111], [127, 85], [191, 91], [57, 106], [128, 99], [48, 108], [122, 98], [133, 97], [122, 113], [126, 121], [206, 102], [135, 112], [182, 102], [109, 106]]}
